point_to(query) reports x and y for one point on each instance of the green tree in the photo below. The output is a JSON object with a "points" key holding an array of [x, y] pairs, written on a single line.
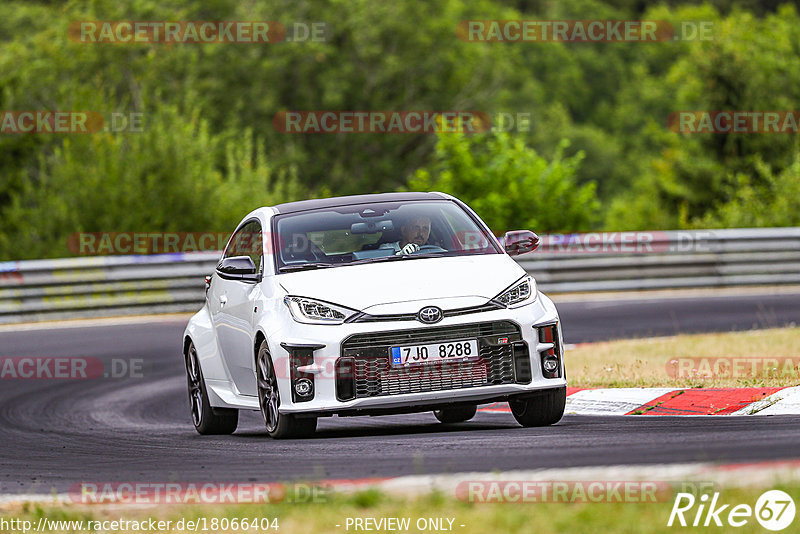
{"points": [[770, 200], [509, 185], [102, 183]]}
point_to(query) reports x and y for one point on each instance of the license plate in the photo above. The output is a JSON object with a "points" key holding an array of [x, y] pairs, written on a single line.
{"points": [[434, 352]]}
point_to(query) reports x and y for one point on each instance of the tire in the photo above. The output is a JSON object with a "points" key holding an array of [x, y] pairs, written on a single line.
{"points": [[279, 426], [206, 420], [544, 409], [457, 414]]}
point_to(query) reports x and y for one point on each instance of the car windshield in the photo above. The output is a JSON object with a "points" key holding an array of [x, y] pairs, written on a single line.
{"points": [[367, 233]]}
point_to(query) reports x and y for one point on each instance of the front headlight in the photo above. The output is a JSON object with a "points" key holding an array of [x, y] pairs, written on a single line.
{"points": [[310, 311], [520, 293]]}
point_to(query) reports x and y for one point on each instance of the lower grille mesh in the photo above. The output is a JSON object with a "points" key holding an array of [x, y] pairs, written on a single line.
{"points": [[374, 375]]}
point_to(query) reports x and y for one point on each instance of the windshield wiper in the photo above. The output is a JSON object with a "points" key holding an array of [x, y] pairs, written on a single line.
{"points": [[398, 258], [303, 267], [376, 260], [428, 255]]}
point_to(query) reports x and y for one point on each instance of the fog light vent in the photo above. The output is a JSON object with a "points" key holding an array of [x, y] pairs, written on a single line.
{"points": [[551, 358], [301, 355]]}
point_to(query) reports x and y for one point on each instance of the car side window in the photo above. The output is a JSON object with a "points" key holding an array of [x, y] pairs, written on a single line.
{"points": [[247, 241]]}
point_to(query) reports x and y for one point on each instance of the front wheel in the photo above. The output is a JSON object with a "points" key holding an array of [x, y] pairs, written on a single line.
{"points": [[279, 426], [543, 409], [207, 420], [455, 415]]}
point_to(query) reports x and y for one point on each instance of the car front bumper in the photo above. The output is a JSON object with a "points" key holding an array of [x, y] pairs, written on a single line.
{"points": [[312, 352]]}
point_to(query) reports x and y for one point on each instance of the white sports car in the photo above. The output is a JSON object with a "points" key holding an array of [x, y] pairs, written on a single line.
{"points": [[370, 305]]}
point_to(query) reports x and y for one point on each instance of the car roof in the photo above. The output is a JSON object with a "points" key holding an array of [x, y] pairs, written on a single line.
{"points": [[305, 205]]}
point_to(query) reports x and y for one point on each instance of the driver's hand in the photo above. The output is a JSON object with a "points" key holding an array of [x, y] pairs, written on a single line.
{"points": [[408, 249]]}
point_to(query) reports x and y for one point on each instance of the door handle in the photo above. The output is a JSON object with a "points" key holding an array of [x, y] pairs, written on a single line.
{"points": [[223, 300]]}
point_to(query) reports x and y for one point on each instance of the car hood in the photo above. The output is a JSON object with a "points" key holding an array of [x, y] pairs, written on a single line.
{"points": [[459, 281]]}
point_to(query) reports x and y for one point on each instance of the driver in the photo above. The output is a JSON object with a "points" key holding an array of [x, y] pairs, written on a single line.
{"points": [[413, 234]]}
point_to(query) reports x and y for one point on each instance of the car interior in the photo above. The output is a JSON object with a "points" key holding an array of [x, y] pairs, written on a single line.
{"points": [[340, 237]]}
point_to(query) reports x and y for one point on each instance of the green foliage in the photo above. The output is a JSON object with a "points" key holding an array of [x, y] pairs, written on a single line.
{"points": [[752, 64], [509, 185], [209, 151], [369, 498], [102, 183], [768, 200]]}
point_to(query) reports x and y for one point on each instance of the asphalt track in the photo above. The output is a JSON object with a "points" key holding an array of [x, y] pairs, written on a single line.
{"points": [[57, 433]]}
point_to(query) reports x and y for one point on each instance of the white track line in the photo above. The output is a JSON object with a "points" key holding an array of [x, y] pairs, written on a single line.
{"points": [[783, 402]]}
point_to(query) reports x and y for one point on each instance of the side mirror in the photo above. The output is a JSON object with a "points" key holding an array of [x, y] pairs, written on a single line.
{"points": [[518, 242], [238, 268]]}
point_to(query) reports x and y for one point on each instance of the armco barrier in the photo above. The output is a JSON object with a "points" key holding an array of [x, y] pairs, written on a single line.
{"points": [[103, 286], [664, 260], [123, 285]]}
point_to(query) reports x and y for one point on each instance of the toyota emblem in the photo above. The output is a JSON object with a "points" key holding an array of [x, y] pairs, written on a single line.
{"points": [[430, 315]]}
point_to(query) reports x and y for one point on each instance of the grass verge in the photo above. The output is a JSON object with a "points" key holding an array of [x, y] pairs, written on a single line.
{"points": [[757, 358], [543, 518]]}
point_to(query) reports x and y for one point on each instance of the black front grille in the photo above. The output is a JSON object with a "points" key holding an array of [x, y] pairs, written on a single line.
{"points": [[373, 375]]}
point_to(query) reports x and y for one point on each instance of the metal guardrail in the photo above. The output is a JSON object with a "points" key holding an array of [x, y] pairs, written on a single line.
{"points": [[124, 285], [103, 286], [666, 260]]}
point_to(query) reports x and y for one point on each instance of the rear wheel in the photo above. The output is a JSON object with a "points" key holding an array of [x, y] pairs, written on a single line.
{"points": [[279, 426], [207, 420], [543, 409], [457, 414]]}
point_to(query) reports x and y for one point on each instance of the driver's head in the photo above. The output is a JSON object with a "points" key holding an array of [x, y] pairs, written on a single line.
{"points": [[416, 230]]}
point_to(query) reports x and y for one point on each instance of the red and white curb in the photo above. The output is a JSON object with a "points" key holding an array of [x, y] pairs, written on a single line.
{"points": [[677, 401]]}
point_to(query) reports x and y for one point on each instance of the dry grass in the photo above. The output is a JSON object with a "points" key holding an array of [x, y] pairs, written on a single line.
{"points": [[687, 361]]}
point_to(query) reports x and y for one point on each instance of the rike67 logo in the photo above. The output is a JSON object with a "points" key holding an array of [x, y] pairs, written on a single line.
{"points": [[774, 510]]}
